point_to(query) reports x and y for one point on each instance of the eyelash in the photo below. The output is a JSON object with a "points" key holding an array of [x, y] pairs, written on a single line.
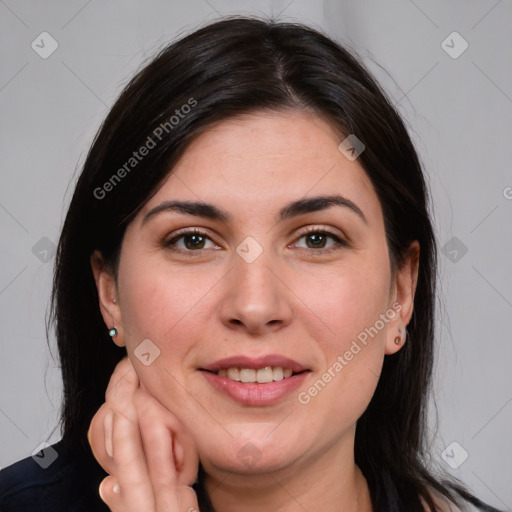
{"points": [[339, 243]]}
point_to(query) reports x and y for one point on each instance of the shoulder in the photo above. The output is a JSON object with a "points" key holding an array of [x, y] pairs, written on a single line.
{"points": [[62, 477]]}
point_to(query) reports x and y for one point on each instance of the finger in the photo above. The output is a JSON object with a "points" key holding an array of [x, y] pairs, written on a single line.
{"points": [[184, 453], [187, 499], [130, 466], [96, 436], [110, 493], [124, 380], [119, 396], [186, 457], [157, 441], [108, 427]]}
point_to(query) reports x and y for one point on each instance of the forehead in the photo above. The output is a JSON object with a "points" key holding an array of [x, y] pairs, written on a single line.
{"points": [[254, 162]]}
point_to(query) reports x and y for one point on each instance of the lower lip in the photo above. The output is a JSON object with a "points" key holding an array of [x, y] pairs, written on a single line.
{"points": [[254, 393]]}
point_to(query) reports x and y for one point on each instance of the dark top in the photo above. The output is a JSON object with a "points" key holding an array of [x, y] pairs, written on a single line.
{"points": [[69, 483], [63, 477]]}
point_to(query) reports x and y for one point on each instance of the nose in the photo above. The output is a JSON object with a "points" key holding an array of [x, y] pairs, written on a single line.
{"points": [[256, 298]]}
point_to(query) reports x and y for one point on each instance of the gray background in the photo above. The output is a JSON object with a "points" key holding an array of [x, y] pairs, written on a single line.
{"points": [[459, 111]]}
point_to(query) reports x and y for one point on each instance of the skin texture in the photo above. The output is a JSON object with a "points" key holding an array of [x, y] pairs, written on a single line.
{"points": [[298, 298]]}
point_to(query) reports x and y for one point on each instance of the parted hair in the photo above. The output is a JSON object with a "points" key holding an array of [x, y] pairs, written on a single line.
{"points": [[229, 67]]}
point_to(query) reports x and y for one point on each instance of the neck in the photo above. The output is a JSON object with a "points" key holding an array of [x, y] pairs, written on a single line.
{"points": [[330, 482]]}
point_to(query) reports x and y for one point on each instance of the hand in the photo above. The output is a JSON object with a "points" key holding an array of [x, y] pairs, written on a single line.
{"points": [[146, 450]]}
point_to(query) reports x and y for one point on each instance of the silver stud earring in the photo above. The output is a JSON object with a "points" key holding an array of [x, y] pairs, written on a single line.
{"points": [[112, 332]]}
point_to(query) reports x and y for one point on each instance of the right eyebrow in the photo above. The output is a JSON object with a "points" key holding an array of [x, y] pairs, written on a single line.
{"points": [[197, 208]]}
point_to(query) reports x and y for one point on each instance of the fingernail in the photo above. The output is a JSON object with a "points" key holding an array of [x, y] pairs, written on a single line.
{"points": [[108, 424], [116, 489]]}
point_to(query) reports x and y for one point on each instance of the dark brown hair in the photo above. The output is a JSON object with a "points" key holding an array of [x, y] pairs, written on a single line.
{"points": [[234, 66]]}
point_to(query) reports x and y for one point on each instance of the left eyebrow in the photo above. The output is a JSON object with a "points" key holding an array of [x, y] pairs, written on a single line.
{"points": [[299, 207], [314, 204]]}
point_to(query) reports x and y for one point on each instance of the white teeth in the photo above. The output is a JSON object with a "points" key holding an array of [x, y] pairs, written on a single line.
{"points": [[247, 375], [265, 375], [233, 374], [261, 375], [278, 373]]}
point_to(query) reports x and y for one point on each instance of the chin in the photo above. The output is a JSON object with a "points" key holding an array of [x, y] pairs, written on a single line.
{"points": [[256, 455], [248, 461]]}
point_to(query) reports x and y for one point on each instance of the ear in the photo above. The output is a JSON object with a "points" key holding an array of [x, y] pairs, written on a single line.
{"points": [[402, 297], [107, 296]]}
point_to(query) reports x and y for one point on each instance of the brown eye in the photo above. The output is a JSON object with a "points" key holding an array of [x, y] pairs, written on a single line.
{"points": [[193, 241], [188, 241], [318, 239]]}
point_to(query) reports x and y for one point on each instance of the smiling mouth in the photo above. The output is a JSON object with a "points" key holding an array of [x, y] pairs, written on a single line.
{"points": [[252, 375]]}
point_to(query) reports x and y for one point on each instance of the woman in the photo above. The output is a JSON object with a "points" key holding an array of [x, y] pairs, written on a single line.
{"points": [[251, 229]]}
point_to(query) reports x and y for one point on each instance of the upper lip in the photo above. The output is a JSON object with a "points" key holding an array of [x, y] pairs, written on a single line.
{"points": [[255, 363]]}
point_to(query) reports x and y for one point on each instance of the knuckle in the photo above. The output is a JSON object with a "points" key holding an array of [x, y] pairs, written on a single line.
{"points": [[99, 415], [141, 401], [120, 393]]}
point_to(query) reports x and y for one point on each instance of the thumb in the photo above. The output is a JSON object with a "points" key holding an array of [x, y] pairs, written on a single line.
{"points": [[187, 499]]}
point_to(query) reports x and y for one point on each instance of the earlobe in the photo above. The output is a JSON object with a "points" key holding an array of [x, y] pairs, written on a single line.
{"points": [[107, 292], [406, 279]]}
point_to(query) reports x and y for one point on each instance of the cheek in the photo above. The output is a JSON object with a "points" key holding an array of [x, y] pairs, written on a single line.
{"points": [[161, 303], [345, 302], [342, 388], [337, 399], [165, 306], [349, 305]]}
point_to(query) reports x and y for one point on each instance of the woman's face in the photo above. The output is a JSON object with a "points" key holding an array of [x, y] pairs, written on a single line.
{"points": [[256, 288]]}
